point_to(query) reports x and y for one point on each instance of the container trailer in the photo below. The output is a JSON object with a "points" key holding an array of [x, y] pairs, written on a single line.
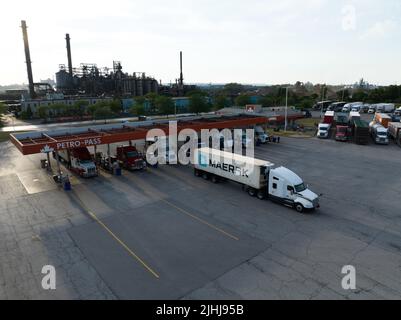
{"points": [[258, 177], [383, 119], [360, 131], [394, 131]]}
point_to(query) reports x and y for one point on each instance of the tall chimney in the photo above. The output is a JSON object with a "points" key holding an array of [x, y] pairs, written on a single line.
{"points": [[28, 59], [181, 75], [67, 39]]}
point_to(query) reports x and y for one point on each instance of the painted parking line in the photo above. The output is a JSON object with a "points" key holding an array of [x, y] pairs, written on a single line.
{"points": [[187, 213], [115, 237], [200, 220]]}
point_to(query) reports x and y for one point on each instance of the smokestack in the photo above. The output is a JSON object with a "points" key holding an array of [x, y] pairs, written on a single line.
{"points": [[181, 75], [28, 59], [67, 39]]}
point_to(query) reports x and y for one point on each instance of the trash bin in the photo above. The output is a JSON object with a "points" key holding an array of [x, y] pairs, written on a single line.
{"points": [[117, 171], [43, 163], [67, 185]]}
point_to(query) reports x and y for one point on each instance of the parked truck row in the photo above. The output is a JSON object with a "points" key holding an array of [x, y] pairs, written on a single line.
{"points": [[81, 162]]}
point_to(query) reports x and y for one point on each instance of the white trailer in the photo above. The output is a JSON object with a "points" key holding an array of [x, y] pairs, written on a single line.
{"points": [[385, 107], [258, 178]]}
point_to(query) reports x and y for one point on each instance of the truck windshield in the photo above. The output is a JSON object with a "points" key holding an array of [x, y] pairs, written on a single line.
{"points": [[323, 128], [132, 154], [300, 187]]}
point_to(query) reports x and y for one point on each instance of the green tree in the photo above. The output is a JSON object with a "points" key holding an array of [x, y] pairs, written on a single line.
{"points": [[28, 113], [81, 107], [267, 101], [138, 109], [116, 106], [151, 97], [198, 103], [221, 102], [165, 105], [43, 112], [3, 108], [58, 109], [360, 95], [242, 100], [103, 113], [233, 89], [140, 100], [92, 109]]}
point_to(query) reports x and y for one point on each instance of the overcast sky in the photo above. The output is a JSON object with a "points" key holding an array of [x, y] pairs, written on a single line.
{"points": [[266, 41]]}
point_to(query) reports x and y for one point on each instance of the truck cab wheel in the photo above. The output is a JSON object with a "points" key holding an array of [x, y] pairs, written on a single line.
{"points": [[252, 192], [197, 173], [299, 207]]}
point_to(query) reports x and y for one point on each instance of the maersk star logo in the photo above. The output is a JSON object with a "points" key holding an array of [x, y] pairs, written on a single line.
{"points": [[203, 160], [47, 149]]}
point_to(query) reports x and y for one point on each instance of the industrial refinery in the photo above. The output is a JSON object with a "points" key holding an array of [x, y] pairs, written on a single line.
{"points": [[90, 82]]}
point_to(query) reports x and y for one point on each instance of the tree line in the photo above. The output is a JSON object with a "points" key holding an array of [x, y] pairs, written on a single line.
{"points": [[3, 110], [390, 94]]}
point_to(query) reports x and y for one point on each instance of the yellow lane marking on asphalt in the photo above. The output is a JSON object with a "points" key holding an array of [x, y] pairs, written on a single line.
{"points": [[200, 220], [142, 262], [150, 194]]}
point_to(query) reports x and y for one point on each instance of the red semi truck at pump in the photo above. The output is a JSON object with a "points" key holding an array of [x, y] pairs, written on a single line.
{"points": [[129, 158], [78, 160]]}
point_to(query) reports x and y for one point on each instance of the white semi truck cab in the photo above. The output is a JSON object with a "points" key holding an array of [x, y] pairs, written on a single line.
{"points": [[258, 177], [80, 161], [288, 188]]}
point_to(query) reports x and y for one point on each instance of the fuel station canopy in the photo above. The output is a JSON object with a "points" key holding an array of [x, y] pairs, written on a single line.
{"points": [[69, 138]]}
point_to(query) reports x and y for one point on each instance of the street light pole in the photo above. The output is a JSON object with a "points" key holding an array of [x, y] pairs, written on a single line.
{"points": [[321, 107], [286, 109]]}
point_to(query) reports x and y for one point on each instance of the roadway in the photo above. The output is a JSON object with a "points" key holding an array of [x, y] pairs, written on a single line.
{"points": [[203, 240]]}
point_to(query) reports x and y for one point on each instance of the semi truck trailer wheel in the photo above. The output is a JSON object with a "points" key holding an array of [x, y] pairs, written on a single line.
{"points": [[252, 192], [261, 195], [215, 179]]}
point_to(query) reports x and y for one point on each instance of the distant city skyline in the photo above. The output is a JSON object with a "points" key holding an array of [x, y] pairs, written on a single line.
{"points": [[253, 42]]}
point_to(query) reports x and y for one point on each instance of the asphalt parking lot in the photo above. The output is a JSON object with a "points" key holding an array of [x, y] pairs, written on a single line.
{"points": [[166, 234]]}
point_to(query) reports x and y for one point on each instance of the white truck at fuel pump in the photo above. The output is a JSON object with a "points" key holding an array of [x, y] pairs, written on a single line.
{"points": [[78, 160], [258, 177]]}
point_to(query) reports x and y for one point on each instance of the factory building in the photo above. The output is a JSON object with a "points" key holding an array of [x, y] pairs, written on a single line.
{"points": [[90, 80], [91, 83], [56, 98], [181, 104]]}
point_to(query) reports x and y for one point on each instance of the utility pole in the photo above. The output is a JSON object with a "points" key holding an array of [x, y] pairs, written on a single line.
{"points": [[286, 109]]}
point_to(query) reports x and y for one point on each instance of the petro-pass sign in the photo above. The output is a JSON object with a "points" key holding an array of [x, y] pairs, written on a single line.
{"points": [[88, 142]]}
